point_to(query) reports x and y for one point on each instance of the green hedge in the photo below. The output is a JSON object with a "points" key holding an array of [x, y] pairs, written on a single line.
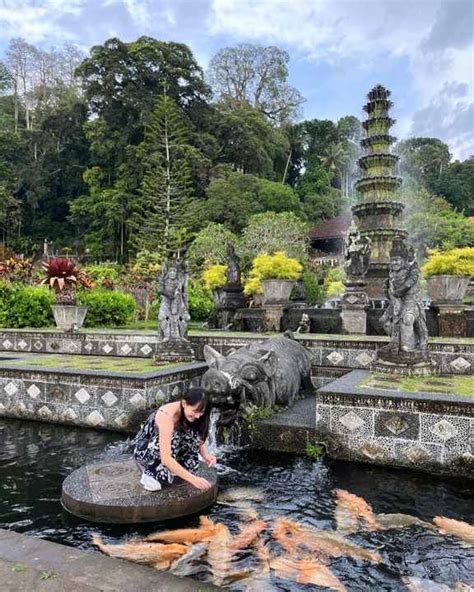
{"points": [[25, 306], [199, 300], [106, 308]]}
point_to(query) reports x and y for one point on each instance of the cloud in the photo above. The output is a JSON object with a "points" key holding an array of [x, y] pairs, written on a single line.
{"points": [[434, 37], [37, 22]]}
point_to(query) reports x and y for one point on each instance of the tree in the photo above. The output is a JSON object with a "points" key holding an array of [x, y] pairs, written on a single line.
{"points": [[320, 200], [271, 231], [431, 221], [161, 222], [209, 247], [234, 197], [456, 185], [423, 159], [256, 75]]}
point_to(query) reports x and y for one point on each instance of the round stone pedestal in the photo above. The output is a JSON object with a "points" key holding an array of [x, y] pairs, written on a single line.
{"points": [[110, 491]]}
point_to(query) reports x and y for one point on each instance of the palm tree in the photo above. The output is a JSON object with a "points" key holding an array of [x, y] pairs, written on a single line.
{"points": [[335, 158]]}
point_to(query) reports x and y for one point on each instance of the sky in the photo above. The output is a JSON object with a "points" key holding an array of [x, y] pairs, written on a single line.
{"points": [[339, 49]]}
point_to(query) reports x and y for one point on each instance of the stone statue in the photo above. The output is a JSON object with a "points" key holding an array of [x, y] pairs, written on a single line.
{"points": [[263, 374], [304, 326], [233, 266], [404, 319], [357, 250], [174, 316]]}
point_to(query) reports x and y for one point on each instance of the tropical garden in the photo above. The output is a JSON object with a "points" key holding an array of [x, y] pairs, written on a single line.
{"points": [[113, 160]]}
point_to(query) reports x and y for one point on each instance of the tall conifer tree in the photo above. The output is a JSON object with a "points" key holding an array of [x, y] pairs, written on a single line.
{"points": [[161, 221]]}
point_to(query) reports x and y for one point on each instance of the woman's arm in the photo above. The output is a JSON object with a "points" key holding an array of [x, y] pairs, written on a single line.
{"points": [[165, 429], [209, 459]]}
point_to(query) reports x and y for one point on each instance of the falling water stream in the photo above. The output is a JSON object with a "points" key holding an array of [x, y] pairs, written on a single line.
{"points": [[36, 457]]}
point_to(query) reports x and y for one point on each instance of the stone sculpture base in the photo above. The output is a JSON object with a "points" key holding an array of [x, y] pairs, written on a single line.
{"points": [[451, 320], [111, 492], [273, 316], [407, 363], [231, 296], [354, 321], [174, 350]]}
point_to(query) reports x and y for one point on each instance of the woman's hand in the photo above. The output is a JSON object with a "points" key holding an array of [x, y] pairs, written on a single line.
{"points": [[200, 483], [210, 460]]}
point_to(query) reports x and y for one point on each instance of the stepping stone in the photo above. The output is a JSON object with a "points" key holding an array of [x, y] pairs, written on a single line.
{"points": [[111, 492]]}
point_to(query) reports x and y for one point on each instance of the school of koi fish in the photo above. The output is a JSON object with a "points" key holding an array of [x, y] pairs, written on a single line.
{"points": [[282, 548]]}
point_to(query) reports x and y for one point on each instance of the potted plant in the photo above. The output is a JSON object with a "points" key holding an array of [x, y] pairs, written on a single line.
{"points": [[448, 274], [63, 276], [277, 274], [215, 278], [253, 288]]}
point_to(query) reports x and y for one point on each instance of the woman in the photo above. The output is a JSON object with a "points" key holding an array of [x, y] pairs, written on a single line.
{"points": [[171, 439]]}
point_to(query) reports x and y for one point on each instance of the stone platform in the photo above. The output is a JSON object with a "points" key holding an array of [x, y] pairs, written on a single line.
{"points": [[110, 492], [429, 431]]}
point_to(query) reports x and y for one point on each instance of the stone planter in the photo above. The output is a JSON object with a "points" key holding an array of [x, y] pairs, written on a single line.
{"points": [[277, 291], [69, 318], [447, 288]]}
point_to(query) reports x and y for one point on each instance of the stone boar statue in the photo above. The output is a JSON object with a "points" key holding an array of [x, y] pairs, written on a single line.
{"points": [[264, 374]]}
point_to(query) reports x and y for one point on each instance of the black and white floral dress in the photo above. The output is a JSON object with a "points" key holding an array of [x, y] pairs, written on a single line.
{"points": [[184, 449]]}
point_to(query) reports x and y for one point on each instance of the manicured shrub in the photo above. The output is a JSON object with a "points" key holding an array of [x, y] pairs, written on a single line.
{"points": [[334, 282], [271, 267], [106, 308], [314, 291], [25, 306], [215, 276], [103, 271], [200, 301], [454, 262]]}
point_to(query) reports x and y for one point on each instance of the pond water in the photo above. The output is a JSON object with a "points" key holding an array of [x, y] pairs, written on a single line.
{"points": [[36, 457]]}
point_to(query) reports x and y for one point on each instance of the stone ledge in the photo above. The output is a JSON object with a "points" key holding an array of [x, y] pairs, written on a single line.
{"points": [[79, 570]]}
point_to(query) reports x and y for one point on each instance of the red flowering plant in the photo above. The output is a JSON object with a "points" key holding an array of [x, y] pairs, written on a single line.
{"points": [[63, 276]]}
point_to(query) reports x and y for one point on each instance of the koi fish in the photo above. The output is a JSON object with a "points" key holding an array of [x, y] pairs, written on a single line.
{"points": [[248, 534], [352, 511], [186, 535], [155, 554], [305, 571], [458, 528]]}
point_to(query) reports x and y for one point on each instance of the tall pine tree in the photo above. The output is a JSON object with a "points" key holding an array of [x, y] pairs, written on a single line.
{"points": [[162, 219]]}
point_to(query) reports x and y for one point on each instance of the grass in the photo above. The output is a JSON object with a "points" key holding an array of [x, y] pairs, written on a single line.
{"points": [[448, 385], [105, 363]]}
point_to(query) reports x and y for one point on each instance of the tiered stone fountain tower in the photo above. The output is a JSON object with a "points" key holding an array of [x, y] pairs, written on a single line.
{"points": [[378, 213]]}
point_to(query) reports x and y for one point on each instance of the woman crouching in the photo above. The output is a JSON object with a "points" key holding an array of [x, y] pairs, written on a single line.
{"points": [[170, 441]]}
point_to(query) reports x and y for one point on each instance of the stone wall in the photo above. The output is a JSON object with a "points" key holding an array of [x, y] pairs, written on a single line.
{"points": [[426, 431], [451, 356], [90, 398]]}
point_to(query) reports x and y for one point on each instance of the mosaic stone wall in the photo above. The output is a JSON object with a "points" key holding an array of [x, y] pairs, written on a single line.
{"points": [[449, 357], [429, 432], [91, 399]]}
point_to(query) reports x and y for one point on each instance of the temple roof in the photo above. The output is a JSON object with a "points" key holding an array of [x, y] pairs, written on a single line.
{"points": [[334, 228]]}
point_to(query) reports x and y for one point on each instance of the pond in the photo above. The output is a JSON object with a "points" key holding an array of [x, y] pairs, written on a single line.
{"points": [[36, 457]]}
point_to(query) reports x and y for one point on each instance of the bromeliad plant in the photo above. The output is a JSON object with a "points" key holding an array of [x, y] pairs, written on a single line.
{"points": [[63, 276]]}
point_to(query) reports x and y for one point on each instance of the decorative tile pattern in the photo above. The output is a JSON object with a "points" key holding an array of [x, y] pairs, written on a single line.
{"points": [[89, 346], [444, 430], [146, 349], [460, 364], [109, 398], [138, 400], [373, 451], [335, 357], [417, 455], [38, 345], [364, 359], [70, 414], [45, 412], [22, 344], [122, 420], [7, 344], [33, 391], [11, 389], [352, 299], [352, 421], [126, 349], [107, 348], [82, 395], [95, 418], [392, 424]]}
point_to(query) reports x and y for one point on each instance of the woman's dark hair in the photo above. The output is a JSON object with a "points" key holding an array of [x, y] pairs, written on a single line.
{"points": [[196, 396]]}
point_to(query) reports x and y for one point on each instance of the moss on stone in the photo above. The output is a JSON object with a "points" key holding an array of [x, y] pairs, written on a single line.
{"points": [[445, 384]]}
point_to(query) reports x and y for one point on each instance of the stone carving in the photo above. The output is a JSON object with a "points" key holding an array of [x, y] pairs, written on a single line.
{"points": [[264, 374], [233, 266], [404, 319], [174, 315], [357, 250], [304, 326]]}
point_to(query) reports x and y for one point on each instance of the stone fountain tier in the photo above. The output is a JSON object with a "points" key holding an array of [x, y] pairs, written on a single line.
{"points": [[110, 491]]}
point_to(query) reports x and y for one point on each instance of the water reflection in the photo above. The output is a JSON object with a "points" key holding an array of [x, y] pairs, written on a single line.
{"points": [[35, 458]]}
